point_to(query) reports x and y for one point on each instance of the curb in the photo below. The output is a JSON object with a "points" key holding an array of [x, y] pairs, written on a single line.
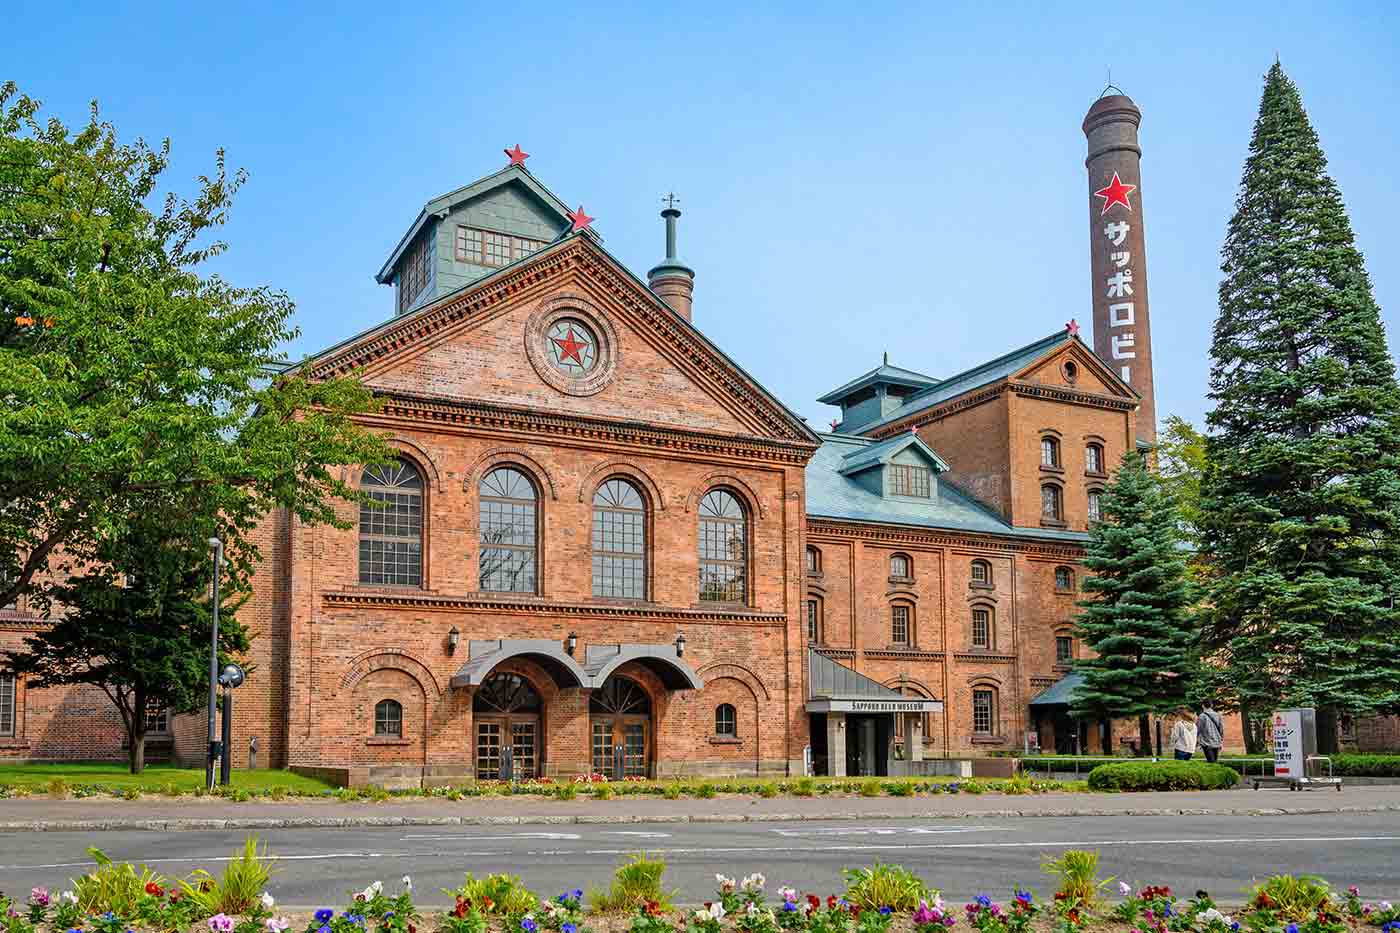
{"points": [[344, 822]]}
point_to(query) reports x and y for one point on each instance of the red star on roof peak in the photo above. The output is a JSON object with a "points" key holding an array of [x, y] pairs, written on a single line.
{"points": [[569, 347], [517, 155], [1115, 193], [1072, 327], [580, 219]]}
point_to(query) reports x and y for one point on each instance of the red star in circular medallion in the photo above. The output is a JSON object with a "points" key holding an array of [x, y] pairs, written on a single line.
{"points": [[1115, 193], [569, 346], [580, 219], [517, 155]]}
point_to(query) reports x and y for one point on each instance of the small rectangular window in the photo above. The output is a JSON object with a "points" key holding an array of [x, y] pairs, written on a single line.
{"points": [[7, 704], [469, 245], [910, 481], [1064, 649], [157, 718], [899, 625], [983, 712], [814, 621]]}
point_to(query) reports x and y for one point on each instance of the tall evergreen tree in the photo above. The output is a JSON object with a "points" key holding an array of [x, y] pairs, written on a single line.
{"points": [[1138, 623], [1301, 498]]}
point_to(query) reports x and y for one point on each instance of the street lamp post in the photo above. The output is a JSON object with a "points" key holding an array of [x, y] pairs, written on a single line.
{"points": [[214, 750]]}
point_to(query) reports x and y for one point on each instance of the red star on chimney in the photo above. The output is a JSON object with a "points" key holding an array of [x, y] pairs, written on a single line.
{"points": [[1115, 193], [1072, 327], [580, 219], [517, 155]]}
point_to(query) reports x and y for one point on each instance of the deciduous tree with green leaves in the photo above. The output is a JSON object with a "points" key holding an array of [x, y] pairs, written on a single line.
{"points": [[1137, 619], [1301, 497], [134, 382]]}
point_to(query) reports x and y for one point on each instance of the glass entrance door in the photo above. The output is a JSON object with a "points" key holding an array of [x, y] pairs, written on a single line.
{"points": [[507, 710], [620, 714]]}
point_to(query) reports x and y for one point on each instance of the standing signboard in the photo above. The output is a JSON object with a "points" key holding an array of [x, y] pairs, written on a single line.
{"points": [[1295, 738]]}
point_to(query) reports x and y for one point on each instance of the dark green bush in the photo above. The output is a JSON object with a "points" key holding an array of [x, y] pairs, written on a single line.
{"points": [[1162, 775], [1365, 765]]}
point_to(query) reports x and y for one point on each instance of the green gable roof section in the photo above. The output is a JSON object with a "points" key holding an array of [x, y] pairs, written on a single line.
{"points": [[1058, 693], [836, 492], [884, 374], [884, 453], [875, 394], [833, 688]]}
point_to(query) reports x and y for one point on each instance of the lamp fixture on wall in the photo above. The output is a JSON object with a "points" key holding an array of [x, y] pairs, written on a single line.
{"points": [[454, 638], [680, 644], [571, 643]]}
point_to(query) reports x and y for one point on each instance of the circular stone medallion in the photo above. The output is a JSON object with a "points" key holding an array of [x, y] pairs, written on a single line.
{"points": [[572, 344]]}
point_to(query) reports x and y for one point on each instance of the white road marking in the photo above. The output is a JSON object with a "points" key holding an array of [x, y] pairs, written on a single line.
{"points": [[888, 831], [505, 838], [637, 833], [703, 850]]}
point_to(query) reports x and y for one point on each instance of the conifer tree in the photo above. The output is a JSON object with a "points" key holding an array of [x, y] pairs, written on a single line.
{"points": [[1139, 622], [1301, 498]]}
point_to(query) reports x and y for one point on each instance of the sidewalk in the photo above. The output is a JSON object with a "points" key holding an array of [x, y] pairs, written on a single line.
{"points": [[194, 813]]}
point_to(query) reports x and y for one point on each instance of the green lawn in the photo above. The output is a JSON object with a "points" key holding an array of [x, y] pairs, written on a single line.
{"points": [[153, 780]]}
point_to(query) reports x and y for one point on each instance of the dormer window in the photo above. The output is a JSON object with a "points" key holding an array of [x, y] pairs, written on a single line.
{"points": [[415, 271], [488, 248], [910, 481]]}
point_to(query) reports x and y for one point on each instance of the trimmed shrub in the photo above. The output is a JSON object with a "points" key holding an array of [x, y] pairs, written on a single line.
{"points": [[1366, 765], [1162, 775]]}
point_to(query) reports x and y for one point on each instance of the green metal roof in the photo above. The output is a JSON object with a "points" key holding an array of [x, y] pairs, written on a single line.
{"points": [[1058, 693], [884, 373], [881, 453], [832, 493]]}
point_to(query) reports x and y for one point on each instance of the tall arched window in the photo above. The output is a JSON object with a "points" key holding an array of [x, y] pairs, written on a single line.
{"points": [[619, 541], [814, 560], [724, 545], [1049, 452], [1095, 509], [388, 718], [726, 721], [984, 711], [901, 624], [1093, 458], [814, 619], [1050, 503], [509, 544], [983, 627], [391, 529]]}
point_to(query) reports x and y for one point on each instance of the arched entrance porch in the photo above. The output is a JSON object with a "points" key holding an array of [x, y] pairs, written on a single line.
{"points": [[621, 728]]}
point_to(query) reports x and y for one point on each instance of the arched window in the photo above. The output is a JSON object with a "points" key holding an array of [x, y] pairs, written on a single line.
{"points": [[1093, 458], [1049, 452], [814, 619], [388, 718], [983, 627], [901, 624], [391, 529], [726, 721], [619, 541], [1095, 509], [981, 573], [814, 560], [506, 712], [509, 548], [984, 711], [724, 548], [1064, 649], [901, 568], [1064, 579], [1050, 503]]}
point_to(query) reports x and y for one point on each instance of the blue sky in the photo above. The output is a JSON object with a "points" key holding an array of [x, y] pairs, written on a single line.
{"points": [[855, 177]]}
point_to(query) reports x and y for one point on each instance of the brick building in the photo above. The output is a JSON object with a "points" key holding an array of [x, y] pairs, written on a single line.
{"points": [[606, 548]]}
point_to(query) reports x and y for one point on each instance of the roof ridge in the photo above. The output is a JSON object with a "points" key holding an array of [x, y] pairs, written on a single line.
{"points": [[988, 364]]}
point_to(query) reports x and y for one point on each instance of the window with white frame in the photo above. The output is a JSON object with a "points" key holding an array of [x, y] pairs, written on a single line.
{"points": [[7, 704], [984, 711]]}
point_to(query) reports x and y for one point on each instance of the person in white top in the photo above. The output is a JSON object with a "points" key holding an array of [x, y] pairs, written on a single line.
{"points": [[1183, 740]]}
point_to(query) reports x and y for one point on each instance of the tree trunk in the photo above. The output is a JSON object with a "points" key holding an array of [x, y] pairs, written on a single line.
{"points": [[1144, 736], [136, 731], [137, 754], [1253, 735], [1327, 730]]}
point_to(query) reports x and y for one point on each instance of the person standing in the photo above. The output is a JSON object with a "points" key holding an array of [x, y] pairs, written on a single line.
{"points": [[1183, 739], [1210, 731]]}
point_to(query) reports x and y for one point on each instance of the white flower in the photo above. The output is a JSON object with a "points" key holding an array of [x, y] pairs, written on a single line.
{"points": [[716, 911], [1384, 905], [1211, 915], [726, 885], [373, 890], [751, 909], [754, 882], [68, 896], [938, 902], [1124, 888], [407, 883], [267, 901], [277, 924]]}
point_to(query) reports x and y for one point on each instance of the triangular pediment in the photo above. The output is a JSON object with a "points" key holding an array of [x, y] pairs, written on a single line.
{"points": [[491, 342], [1072, 366]]}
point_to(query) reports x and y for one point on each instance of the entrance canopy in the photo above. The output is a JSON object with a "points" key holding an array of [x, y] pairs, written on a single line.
{"points": [[601, 661], [835, 688], [1058, 693]]}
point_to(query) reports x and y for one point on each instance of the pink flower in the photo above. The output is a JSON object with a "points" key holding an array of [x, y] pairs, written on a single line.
{"points": [[39, 897], [219, 923]]}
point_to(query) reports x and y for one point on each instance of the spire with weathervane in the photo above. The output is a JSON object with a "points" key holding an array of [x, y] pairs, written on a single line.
{"points": [[672, 279]]}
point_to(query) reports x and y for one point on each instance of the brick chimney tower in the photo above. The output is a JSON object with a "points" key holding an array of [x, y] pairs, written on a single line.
{"points": [[673, 280], [1117, 248]]}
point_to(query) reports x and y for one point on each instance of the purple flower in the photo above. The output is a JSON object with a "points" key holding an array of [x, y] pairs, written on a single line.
{"points": [[324, 915], [221, 923], [530, 926], [984, 900], [39, 897], [324, 929], [1291, 928], [569, 928], [924, 914], [885, 911]]}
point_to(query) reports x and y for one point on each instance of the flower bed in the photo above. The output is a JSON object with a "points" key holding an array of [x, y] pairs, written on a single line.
{"points": [[122, 898]]}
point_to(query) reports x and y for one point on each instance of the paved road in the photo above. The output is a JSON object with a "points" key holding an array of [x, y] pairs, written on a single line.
{"points": [[318, 866]]}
